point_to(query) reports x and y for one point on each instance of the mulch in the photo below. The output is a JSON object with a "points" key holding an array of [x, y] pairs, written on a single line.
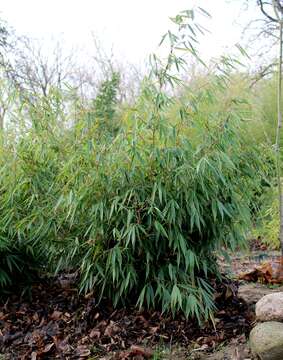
{"points": [[56, 322]]}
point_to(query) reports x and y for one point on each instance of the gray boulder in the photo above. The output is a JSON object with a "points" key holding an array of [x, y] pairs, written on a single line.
{"points": [[266, 340], [270, 308]]}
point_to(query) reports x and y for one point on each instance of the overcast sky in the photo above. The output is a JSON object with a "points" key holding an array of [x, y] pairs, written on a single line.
{"points": [[132, 27]]}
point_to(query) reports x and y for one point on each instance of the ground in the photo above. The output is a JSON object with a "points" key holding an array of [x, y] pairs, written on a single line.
{"points": [[55, 322]]}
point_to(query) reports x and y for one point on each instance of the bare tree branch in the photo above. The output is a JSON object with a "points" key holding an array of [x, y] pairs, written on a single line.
{"points": [[261, 4]]}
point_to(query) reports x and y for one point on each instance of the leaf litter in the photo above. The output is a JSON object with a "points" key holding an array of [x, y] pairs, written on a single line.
{"points": [[56, 322]]}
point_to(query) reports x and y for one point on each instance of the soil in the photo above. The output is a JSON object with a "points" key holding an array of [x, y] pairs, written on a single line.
{"points": [[55, 322]]}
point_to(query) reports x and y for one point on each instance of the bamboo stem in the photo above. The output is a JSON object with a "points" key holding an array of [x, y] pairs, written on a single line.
{"points": [[278, 138], [278, 13]]}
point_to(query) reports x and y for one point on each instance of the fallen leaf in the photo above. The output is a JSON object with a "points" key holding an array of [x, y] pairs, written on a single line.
{"points": [[138, 350], [56, 315], [95, 334], [48, 347], [82, 351], [35, 317], [153, 329], [112, 329]]}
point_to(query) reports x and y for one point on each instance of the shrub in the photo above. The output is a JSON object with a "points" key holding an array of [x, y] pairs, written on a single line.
{"points": [[146, 220], [104, 106], [267, 219], [20, 230], [141, 217]]}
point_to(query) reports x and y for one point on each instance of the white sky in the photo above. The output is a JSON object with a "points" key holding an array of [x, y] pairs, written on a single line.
{"points": [[133, 27]]}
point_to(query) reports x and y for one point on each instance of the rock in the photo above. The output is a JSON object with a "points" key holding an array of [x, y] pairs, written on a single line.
{"points": [[266, 340], [270, 307], [252, 293], [229, 352]]}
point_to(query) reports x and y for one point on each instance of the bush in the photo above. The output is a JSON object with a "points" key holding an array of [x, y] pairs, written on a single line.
{"points": [[148, 219], [267, 221], [141, 217]]}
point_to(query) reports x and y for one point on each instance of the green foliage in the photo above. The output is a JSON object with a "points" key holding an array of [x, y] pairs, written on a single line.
{"points": [[18, 266], [261, 129], [141, 217], [105, 104], [263, 123], [267, 220], [138, 220], [24, 178]]}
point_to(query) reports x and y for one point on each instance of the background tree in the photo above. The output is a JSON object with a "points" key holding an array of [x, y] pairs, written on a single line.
{"points": [[273, 12], [36, 70], [4, 44], [278, 10], [264, 26], [105, 102], [3, 35]]}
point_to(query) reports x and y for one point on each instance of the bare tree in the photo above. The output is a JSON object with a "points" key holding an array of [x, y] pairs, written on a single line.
{"points": [[5, 44], [264, 27], [100, 66], [4, 35], [273, 11], [35, 69]]}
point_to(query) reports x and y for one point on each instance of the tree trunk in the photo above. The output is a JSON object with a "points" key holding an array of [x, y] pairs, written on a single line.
{"points": [[279, 15], [278, 142]]}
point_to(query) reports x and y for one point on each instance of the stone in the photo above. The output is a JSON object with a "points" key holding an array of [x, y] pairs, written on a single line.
{"points": [[266, 340], [270, 308], [251, 293]]}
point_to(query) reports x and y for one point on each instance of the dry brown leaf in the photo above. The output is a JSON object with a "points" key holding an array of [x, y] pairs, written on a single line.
{"points": [[35, 317], [138, 350], [153, 329], [112, 329], [48, 347], [265, 273], [95, 334], [96, 316], [83, 351], [135, 352], [62, 346], [56, 315]]}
